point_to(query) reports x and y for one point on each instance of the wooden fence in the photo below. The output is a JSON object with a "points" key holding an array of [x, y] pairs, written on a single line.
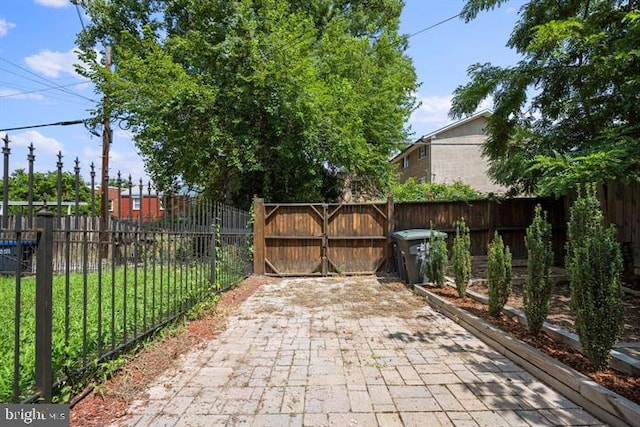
{"points": [[325, 239], [621, 206], [509, 218], [321, 239]]}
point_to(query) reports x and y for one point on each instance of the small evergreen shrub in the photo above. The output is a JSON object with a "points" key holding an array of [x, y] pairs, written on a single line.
{"points": [[594, 266], [537, 284], [585, 216], [461, 257], [434, 264], [498, 274]]}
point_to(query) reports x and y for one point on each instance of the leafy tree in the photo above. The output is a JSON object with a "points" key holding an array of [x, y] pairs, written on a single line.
{"points": [[271, 97], [45, 189], [412, 191], [538, 284], [568, 112]]}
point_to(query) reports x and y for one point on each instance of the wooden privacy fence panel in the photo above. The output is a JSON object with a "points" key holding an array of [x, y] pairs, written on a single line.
{"points": [[509, 218], [621, 206], [324, 239], [443, 215], [321, 239]]}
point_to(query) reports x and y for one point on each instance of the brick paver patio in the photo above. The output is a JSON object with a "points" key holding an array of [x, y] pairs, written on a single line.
{"points": [[312, 352]]}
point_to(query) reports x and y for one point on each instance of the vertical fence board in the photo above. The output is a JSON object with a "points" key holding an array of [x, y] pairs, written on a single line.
{"points": [[355, 238], [258, 237], [621, 206], [314, 239], [509, 217]]}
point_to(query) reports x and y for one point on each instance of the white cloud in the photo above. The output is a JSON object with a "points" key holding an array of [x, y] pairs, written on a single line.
{"points": [[5, 26], [16, 94], [124, 134], [127, 162], [53, 3], [432, 110], [433, 113], [42, 144], [486, 104], [53, 64]]}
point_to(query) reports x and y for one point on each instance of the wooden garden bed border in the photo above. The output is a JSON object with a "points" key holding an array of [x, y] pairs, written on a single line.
{"points": [[601, 402]]}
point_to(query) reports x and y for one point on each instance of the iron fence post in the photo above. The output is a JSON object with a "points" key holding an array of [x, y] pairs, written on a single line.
{"points": [[213, 276], [44, 321], [30, 159], [6, 151]]}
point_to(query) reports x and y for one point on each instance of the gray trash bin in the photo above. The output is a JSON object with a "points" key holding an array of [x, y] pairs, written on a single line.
{"points": [[412, 246], [11, 261]]}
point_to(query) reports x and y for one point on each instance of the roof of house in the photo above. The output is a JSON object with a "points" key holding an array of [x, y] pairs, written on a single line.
{"points": [[135, 192], [483, 113]]}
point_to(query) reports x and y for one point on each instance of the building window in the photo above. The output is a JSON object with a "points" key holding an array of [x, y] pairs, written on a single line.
{"points": [[422, 152], [405, 162], [110, 205], [136, 203]]}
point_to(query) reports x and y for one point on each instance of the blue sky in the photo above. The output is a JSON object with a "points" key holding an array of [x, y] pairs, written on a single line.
{"points": [[37, 52]]}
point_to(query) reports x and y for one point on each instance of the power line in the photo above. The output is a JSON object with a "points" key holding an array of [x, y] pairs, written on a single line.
{"points": [[434, 25], [52, 86], [41, 90], [62, 96], [79, 14], [46, 82], [64, 123]]}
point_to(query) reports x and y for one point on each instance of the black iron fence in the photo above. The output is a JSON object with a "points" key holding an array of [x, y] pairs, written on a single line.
{"points": [[77, 288]]}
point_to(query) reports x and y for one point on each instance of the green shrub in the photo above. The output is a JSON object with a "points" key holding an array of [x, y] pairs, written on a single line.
{"points": [[595, 266], [537, 284], [413, 191], [435, 262], [461, 257], [498, 274], [585, 216]]}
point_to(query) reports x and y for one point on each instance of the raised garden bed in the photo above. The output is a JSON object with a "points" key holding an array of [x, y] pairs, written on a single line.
{"points": [[549, 360], [620, 359]]}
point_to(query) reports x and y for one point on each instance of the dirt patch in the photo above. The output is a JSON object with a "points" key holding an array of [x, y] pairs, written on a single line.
{"points": [[357, 296], [625, 385], [109, 400]]}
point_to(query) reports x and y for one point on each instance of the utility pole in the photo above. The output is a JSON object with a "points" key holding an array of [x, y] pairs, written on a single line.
{"points": [[104, 185]]}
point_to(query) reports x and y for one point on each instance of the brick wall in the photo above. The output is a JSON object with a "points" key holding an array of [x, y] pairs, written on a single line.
{"points": [[462, 163]]}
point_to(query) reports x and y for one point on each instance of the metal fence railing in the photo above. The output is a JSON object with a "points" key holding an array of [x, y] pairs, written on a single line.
{"points": [[77, 288]]}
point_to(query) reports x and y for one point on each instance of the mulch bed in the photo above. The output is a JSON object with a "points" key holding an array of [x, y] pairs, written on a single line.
{"points": [[625, 385]]}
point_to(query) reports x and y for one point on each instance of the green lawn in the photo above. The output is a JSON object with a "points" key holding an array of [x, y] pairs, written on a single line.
{"points": [[109, 311]]}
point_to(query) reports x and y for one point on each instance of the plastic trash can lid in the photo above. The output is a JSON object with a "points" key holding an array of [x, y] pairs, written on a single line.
{"points": [[417, 234]]}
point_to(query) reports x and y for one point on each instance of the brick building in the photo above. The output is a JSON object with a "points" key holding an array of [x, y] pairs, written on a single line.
{"points": [[133, 205]]}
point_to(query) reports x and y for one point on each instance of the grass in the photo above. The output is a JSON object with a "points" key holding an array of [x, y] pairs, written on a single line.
{"points": [[99, 314]]}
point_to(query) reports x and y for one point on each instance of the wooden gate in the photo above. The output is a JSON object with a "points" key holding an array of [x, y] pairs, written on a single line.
{"points": [[321, 239]]}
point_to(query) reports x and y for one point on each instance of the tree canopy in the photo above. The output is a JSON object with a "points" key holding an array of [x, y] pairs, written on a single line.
{"points": [[273, 98], [567, 113], [45, 189]]}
